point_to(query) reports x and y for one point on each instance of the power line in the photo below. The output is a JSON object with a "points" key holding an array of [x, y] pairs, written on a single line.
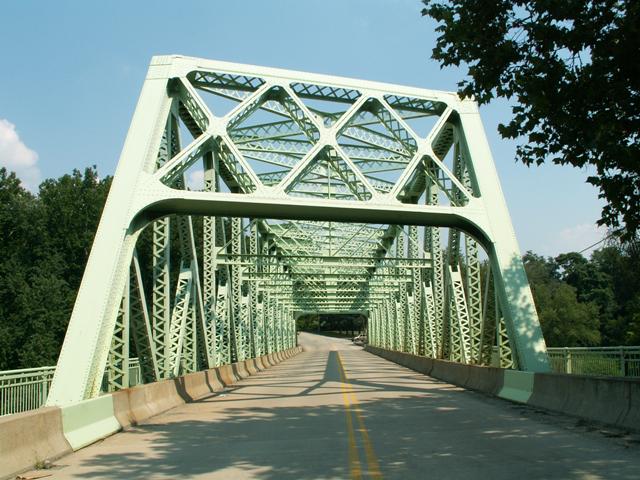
{"points": [[616, 232]]}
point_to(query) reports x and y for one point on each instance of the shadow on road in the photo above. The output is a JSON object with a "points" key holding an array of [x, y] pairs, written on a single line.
{"points": [[289, 422]]}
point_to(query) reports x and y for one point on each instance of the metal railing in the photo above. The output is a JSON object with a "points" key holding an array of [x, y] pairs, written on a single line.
{"points": [[27, 388], [611, 361], [135, 374], [24, 389]]}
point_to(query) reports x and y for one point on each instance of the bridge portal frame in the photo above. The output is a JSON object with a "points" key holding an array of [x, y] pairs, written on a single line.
{"points": [[138, 197]]}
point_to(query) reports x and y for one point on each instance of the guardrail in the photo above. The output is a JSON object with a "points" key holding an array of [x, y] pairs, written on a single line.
{"points": [[24, 389], [27, 388], [612, 361]]}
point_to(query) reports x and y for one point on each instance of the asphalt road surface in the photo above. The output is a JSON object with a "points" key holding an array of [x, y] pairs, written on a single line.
{"points": [[335, 411]]}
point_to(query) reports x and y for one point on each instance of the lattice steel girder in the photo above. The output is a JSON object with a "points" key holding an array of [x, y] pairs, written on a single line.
{"points": [[144, 190]]}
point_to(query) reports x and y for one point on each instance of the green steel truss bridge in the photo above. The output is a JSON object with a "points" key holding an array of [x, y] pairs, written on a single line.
{"points": [[270, 194]]}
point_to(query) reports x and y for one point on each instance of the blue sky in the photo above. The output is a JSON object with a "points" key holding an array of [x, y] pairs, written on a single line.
{"points": [[71, 73]]}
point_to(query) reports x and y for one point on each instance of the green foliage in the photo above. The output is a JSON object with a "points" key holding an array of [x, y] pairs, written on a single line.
{"points": [[570, 70], [565, 321], [621, 263], [584, 302], [45, 243]]}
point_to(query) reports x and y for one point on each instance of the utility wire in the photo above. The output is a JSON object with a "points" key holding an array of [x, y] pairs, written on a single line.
{"points": [[600, 241]]}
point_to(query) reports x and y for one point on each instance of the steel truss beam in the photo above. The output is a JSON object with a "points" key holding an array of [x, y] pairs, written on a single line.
{"points": [[318, 195]]}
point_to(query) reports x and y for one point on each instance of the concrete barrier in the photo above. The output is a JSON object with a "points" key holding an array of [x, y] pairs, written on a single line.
{"points": [[29, 438], [239, 370], [485, 379], [517, 387], [197, 385], [609, 400], [215, 379], [550, 391], [264, 359], [89, 421], [423, 365], [259, 364], [51, 432], [250, 367], [148, 400], [631, 419], [228, 375], [451, 372]]}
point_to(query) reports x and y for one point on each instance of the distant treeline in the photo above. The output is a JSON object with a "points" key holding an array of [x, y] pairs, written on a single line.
{"points": [[346, 324], [45, 239]]}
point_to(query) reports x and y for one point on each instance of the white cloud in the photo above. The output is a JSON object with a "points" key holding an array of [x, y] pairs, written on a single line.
{"points": [[17, 157], [195, 180], [577, 238]]}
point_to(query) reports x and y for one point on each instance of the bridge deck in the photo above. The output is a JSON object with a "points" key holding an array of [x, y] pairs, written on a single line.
{"points": [[304, 419]]}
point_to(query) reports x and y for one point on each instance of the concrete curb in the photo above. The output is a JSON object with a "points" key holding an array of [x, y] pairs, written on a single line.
{"points": [[609, 400], [31, 437], [485, 379], [450, 372], [51, 432], [518, 386], [86, 422]]}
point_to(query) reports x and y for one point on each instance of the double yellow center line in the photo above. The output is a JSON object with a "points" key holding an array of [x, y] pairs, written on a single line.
{"points": [[351, 406]]}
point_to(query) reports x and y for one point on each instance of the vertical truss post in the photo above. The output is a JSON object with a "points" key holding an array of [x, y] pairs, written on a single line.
{"points": [[437, 274], [118, 364], [178, 325], [459, 341], [505, 353], [431, 335], [418, 325], [161, 294], [254, 286], [189, 360], [189, 349], [488, 335], [403, 324], [473, 290], [209, 263], [223, 310], [372, 329], [238, 345], [265, 267], [141, 325]]}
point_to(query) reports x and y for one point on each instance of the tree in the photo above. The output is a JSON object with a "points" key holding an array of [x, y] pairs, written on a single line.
{"points": [[621, 262], [16, 230], [571, 67], [565, 321], [45, 243]]}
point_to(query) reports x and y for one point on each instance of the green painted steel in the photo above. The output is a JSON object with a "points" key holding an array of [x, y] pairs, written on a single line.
{"points": [[270, 193]]}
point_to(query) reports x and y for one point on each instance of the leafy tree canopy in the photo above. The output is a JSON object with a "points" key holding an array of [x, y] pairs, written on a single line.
{"points": [[564, 319], [45, 241], [571, 67]]}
